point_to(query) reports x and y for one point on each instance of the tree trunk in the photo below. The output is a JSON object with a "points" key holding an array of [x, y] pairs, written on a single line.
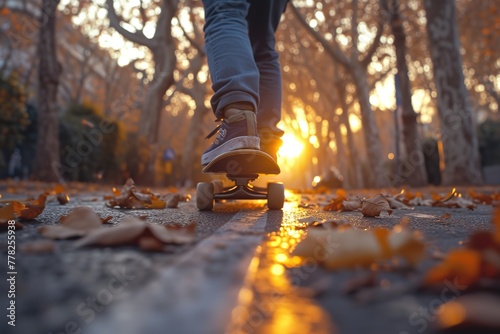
{"points": [[461, 155], [378, 177], [356, 178], [165, 61], [192, 142], [334, 125], [414, 172], [47, 151]]}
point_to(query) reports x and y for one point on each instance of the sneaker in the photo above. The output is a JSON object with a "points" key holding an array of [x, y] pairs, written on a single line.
{"points": [[238, 130], [269, 143]]}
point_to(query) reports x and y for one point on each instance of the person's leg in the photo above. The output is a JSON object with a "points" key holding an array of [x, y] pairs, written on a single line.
{"points": [[263, 19], [234, 74]]}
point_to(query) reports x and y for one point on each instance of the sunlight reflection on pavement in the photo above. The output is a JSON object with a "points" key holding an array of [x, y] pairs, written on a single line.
{"points": [[269, 302]]}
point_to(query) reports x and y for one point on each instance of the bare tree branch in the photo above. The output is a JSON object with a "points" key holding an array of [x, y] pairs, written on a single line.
{"points": [[115, 22], [333, 51], [354, 30], [376, 41], [193, 43]]}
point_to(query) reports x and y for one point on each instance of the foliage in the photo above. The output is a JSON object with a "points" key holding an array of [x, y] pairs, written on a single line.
{"points": [[13, 114], [137, 155], [91, 144], [489, 142]]}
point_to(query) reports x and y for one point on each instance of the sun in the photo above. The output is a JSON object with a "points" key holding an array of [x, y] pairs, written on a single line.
{"points": [[292, 147]]}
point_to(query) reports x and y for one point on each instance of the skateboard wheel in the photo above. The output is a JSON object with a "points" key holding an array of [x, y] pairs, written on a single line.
{"points": [[275, 196], [205, 196]]}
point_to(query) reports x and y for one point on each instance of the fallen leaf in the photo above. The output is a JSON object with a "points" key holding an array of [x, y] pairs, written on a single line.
{"points": [[349, 248], [373, 206], [79, 222], [7, 213], [471, 314], [331, 223], [32, 209], [404, 221], [307, 205], [444, 198], [335, 205], [173, 201], [151, 244], [59, 189], [395, 204], [351, 205], [60, 232], [131, 198], [496, 223], [173, 234], [62, 198], [81, 218], [482, 198], [127, 232], [106, 220], [38, 247], [443, 219], [133, 231], [456, 201]]}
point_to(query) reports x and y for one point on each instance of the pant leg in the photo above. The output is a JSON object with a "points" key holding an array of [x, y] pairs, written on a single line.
{"points": [[234, 74], [263, 19]]}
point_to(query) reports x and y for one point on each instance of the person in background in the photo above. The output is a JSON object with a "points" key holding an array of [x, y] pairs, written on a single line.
{"points": [[246, 75]]}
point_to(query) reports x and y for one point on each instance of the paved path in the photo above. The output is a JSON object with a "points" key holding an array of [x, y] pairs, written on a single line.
{"points": [[233, 279]]}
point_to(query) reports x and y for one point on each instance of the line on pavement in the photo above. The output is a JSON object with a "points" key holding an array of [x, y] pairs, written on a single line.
{"points": [[198, 291]]}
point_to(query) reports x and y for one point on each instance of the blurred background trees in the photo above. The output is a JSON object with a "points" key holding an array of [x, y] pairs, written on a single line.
{"points": [[373, 95]]}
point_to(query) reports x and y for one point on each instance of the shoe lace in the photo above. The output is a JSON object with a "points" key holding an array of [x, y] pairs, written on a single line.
{"points": [[214, 131]]}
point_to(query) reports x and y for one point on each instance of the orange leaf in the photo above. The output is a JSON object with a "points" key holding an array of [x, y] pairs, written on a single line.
{"points": [[461, 264], [335, 205], [496, 222], [7, 213], [58, 189]]}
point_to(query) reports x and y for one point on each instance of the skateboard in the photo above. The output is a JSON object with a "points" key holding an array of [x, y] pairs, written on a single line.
{"points": [[242, 167]]}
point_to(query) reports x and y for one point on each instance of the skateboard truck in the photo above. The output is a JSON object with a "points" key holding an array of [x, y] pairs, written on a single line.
{"points": [[242, 188], [250, 164]]}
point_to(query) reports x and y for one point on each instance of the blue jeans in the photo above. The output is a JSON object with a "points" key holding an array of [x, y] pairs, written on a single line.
{"points": [[244, 68]]}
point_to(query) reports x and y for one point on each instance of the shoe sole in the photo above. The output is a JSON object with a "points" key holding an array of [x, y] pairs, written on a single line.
{"points": [[237, 143]]}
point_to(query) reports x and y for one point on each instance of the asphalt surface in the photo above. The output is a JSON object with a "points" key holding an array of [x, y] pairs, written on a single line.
{"points": [[230, 280]]}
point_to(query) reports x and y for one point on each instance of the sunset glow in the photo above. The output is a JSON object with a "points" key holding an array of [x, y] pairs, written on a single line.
{"points": [[292, 147]]}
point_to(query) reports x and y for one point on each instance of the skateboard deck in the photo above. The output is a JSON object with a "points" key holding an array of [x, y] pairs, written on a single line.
{"points": [[242, 167], [243, 162]]}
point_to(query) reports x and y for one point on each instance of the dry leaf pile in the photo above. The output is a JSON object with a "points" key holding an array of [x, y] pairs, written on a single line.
{"points": [[491, 199], [84, 223], [129, 197], [342, 246], [405, 200], [477, 262]]}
